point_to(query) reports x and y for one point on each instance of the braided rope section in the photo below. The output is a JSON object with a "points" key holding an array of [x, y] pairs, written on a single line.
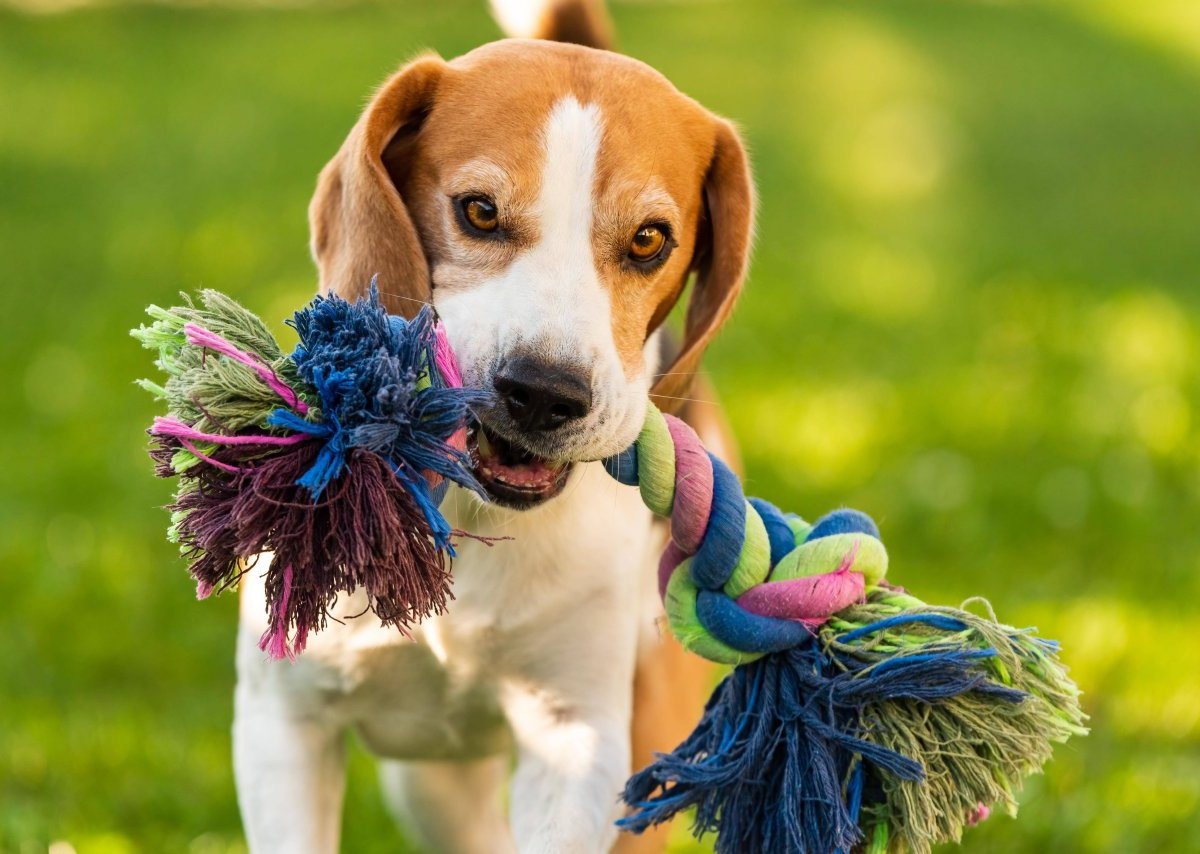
{"points": [[859, 717], [740, 578]]}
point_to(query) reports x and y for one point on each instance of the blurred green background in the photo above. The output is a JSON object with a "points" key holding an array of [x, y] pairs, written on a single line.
{"points": [[973, 313]]}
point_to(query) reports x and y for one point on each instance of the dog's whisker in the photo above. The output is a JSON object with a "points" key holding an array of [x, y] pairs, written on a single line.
{"points": [[688, 399], [408, 298]]}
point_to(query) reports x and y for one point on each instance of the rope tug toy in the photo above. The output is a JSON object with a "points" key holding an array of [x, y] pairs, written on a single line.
{"points": [[334, 458], [856, 716]]}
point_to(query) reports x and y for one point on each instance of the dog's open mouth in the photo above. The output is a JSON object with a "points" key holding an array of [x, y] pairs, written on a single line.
{"points": [[511, 475]]}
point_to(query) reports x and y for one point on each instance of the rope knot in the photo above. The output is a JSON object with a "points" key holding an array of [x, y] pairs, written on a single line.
{"points": [[740, 578]]}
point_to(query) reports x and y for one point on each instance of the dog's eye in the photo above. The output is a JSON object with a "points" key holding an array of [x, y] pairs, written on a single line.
{"points": [[648, 243], [479, 214]]}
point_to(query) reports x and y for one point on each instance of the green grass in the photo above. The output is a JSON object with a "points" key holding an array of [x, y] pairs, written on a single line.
{"points": [[973, 313]]}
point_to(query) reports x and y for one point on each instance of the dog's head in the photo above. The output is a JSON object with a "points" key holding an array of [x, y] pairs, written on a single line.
{"points": [[551, 201]]}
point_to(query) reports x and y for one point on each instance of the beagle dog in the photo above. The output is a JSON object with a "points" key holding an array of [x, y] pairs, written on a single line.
{"points": [[551, 200]]}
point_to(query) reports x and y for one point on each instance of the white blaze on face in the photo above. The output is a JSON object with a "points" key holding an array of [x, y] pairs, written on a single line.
{"points": [[550, 299], [564, 211]]}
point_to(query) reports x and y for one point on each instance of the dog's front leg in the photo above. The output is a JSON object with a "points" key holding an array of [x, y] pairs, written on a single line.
{"points": [[288, 758], [571, 766], [571, 722]]}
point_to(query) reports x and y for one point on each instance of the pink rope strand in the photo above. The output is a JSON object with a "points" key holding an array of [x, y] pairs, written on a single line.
{"points": [[810, 599], [444, 359], [177, 429], [274, 640], [196, 452], [200, 337]]}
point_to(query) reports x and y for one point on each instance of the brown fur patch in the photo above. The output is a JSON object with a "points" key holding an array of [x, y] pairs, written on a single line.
{"points": [[584, 22]]}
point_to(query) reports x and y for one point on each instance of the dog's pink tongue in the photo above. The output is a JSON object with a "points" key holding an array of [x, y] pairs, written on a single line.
{"points": [[533, 473]]}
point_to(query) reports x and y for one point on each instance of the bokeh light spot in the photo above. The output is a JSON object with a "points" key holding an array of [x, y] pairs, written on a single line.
{"points": [[1144, 337], [1162, 418]]}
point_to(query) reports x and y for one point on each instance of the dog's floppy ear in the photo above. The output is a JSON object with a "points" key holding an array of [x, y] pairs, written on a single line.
{"points": [[359, 225], [720, 259]]}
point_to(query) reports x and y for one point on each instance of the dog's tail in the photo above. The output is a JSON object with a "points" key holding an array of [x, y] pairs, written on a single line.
{"points": [[584, 22]]}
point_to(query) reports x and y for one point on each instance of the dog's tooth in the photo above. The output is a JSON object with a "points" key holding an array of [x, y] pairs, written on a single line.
{"points": [[482, 443]]}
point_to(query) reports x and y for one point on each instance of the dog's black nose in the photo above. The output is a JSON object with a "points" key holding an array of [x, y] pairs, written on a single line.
{"points": [[542, 396]]}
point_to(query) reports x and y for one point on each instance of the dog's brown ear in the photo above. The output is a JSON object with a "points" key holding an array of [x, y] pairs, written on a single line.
{"points": [[360, 227], [720, 259]]}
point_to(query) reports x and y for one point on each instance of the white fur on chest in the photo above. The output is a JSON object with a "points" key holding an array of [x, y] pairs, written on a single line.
{"points": [[570, 579]]}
